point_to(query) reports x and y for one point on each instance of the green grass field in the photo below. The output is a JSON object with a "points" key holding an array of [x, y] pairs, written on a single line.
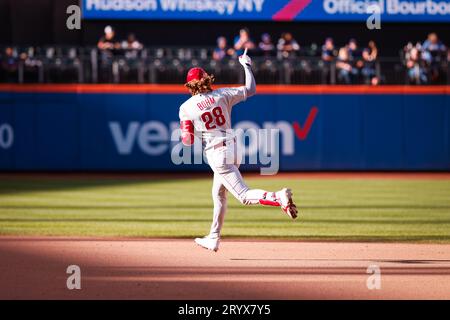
{"points": [[331, 209]]}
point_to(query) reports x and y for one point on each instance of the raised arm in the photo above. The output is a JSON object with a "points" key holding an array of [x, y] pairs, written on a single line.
{"points": [[250, 83]]}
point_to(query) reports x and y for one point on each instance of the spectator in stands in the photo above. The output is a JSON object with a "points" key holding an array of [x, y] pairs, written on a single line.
{"points": [[328, 55], [433, 53], [353, 49], [407, 49], [243, 41], [9, 65], [433, 46], [266, 46], [346, 72], [287, 46], [29, 58], [107, 42], [222, 50], [328, 50], [108, 47], [416, 69], [131, 43], [132, 46], [355, 57], [369, 57]]}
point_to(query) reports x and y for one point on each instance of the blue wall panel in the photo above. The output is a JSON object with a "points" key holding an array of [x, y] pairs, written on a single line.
{"points": [[112, 131], [383, 139]]}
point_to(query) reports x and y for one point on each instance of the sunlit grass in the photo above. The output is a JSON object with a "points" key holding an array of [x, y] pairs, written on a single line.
{"points": [[364, 209]]}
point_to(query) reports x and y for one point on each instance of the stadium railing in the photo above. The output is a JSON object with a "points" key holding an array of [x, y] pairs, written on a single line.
{"points": [[168, 65]]}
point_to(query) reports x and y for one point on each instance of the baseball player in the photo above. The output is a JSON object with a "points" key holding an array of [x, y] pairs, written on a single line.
{"points": [[207, 114]]}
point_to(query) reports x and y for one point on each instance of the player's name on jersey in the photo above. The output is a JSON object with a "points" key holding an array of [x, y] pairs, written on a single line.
{"points": [[206, 103]]}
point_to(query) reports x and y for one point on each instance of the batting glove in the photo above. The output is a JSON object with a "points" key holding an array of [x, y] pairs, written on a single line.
{"points": [[245, 60]]}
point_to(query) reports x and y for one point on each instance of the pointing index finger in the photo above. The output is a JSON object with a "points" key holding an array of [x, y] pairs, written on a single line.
{"points": [[245, 52]]}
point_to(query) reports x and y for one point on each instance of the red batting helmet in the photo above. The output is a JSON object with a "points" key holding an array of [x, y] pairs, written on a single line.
{"points": [[195, 74]]}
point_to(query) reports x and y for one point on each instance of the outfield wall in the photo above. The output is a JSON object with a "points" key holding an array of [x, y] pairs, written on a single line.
{"points": [[128, 127]]}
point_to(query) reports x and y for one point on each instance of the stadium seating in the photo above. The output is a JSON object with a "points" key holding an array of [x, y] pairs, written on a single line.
{"points": [[165, 65]]}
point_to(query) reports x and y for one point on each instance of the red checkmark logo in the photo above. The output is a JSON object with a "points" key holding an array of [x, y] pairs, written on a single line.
{"points": [[302, 132]]}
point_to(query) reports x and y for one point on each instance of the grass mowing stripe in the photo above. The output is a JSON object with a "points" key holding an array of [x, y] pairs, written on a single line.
{"points": [[356, 209]]}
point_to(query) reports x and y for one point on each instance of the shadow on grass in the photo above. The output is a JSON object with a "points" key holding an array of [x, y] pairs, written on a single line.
{"points": [[83, 220], [105, 207], [196, 206], [250, 219], [49, 184]]}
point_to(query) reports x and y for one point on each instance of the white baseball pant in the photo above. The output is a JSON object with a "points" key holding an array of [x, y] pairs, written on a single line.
{"points": [[225, 161]]}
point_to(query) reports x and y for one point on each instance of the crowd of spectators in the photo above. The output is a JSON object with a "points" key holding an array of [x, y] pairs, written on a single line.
{"points": [[109, 48], [354, 64], [10, 60], [286, 46], [424, 61], [108, 44], [351, 63]]}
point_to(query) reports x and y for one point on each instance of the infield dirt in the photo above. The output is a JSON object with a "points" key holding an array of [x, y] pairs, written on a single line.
{"points": [[35, 268]]}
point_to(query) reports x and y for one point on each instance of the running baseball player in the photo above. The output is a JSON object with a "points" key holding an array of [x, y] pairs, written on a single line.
{"points": [[207, 114]]}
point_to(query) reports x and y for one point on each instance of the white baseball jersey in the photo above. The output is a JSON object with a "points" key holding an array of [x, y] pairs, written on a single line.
{"points": [[211, 113]]}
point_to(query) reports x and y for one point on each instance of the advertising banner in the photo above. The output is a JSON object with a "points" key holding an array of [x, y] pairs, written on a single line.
{"points": [[135, 131], [273, 10]]}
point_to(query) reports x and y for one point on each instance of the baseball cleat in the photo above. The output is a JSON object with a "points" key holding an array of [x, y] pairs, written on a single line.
{"points": [[208, 243], [287, 205]]}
